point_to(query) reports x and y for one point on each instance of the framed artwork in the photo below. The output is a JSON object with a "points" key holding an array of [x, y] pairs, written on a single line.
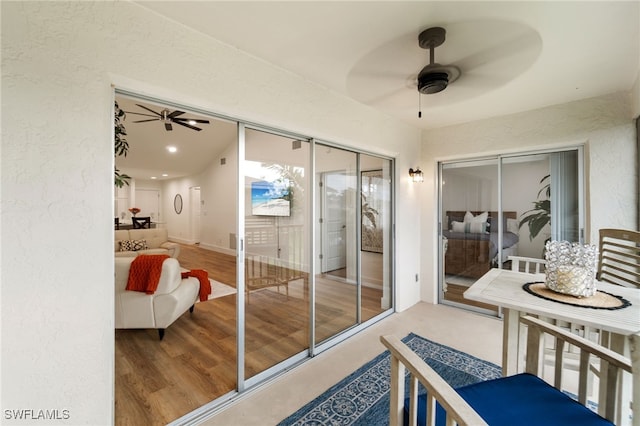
{"points": [[270, 198], [372, 232]]}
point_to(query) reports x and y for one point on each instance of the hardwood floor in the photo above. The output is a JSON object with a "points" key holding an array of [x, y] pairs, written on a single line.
{"points": [[159, 381]]}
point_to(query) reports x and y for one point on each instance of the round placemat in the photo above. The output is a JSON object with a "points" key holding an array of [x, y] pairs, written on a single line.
{"points": [[600, 300]]}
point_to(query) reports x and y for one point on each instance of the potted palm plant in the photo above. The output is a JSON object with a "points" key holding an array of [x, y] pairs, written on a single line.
{"points": [[540, 215]]}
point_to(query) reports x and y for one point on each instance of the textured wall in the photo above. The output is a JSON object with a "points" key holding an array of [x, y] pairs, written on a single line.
{"points": [[59, 62], [603, 125]]}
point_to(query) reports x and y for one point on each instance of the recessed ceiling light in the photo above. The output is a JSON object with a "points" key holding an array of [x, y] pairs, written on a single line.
{"points": [[172, 149], [192, 122], [153, 177], [164, 175]]}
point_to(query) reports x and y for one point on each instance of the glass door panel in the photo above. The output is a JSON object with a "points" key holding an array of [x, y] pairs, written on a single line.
{"points": [[508, 206], [353, 239], [375, 251], [336, 283], [470, 226], [544, 191], [524, 191], [276, 231]]}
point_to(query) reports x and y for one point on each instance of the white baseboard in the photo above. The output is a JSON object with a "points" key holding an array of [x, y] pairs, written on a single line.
{"points": [[218, 249], [206, 246], [180, 240]]}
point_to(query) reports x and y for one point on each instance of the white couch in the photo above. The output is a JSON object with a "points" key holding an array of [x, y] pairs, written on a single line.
{"points": [[172, 298], [156, 240]]}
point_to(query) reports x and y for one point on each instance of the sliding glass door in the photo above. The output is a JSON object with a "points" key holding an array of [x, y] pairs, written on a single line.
{"points": [[510, 205], [276, 249], [353, 240], [376, 248], [336, 283], [469, 212], [295, 236]]}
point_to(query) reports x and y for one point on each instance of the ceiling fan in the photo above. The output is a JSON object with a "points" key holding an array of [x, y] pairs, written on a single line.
{"points": [[434, 77], [169, 118], [478, 57]]}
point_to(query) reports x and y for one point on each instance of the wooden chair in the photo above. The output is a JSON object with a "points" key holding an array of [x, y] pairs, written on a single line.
{"points": [[618, 264], [141, 222], [537, 266], [530, 265], [529, 399], [619, 259]]}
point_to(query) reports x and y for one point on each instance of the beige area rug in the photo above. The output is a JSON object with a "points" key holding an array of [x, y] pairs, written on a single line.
{"points": [[219, 289]]}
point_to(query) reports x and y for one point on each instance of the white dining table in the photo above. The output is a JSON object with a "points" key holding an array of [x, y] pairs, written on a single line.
{"points": [[503, 288]]}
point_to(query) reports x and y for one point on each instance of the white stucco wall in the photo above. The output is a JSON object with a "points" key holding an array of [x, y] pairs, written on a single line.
{"points": [[60, 62], [603, 125]]}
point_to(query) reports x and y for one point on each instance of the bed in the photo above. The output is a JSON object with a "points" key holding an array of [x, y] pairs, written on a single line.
{"points": [[472, 245]]}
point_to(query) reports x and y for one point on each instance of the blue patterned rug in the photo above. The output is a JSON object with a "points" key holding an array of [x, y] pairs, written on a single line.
{"points": [[362, 398]]}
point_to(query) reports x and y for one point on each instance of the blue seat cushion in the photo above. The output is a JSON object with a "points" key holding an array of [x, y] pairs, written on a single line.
{"points": [[522, 399]]}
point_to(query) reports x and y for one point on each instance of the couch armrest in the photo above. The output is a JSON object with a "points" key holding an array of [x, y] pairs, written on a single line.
{"points": [[174, 248], [168, 307]]}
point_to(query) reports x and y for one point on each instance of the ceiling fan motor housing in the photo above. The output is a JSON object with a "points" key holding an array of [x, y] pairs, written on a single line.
{"points": [[432, 82]]}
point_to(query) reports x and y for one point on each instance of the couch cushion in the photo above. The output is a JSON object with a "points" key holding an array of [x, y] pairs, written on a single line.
{"points": [[522, 399], [154, 251], [153, 236], [125, 254]]}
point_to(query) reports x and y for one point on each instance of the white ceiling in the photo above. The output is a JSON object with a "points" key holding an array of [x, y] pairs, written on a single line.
{"points": [[514, 56]]}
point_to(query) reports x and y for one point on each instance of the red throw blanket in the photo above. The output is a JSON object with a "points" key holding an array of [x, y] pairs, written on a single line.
{"points": [[203, 277], [145, 271]]}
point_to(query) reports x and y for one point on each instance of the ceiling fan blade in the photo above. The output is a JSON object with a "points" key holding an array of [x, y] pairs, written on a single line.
{"points": [[168, 127], [144, 121], [390, 97], [139, 113], [191, 119], [175, 114], [187, 125], [150, 110], [501, 52]]}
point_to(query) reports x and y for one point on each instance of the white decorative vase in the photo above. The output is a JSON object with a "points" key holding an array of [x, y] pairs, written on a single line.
{"points": [[571, 268]]}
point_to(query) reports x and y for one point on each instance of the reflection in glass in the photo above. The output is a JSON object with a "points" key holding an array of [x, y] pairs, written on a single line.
{"points": [[492, 209], [336, 292], [276, 258], [376, 246], [354, 279]]}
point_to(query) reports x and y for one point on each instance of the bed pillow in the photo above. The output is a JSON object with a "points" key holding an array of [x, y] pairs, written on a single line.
{"points": [[482, 217], [512, 226], [457, 226], [477, 227]]}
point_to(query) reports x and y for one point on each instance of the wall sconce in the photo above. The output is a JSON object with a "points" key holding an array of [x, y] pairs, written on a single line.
{"points": [[416, 175]]}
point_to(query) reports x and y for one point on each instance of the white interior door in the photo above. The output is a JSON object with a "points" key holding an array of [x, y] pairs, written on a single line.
{"points": [[334, 221]]}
